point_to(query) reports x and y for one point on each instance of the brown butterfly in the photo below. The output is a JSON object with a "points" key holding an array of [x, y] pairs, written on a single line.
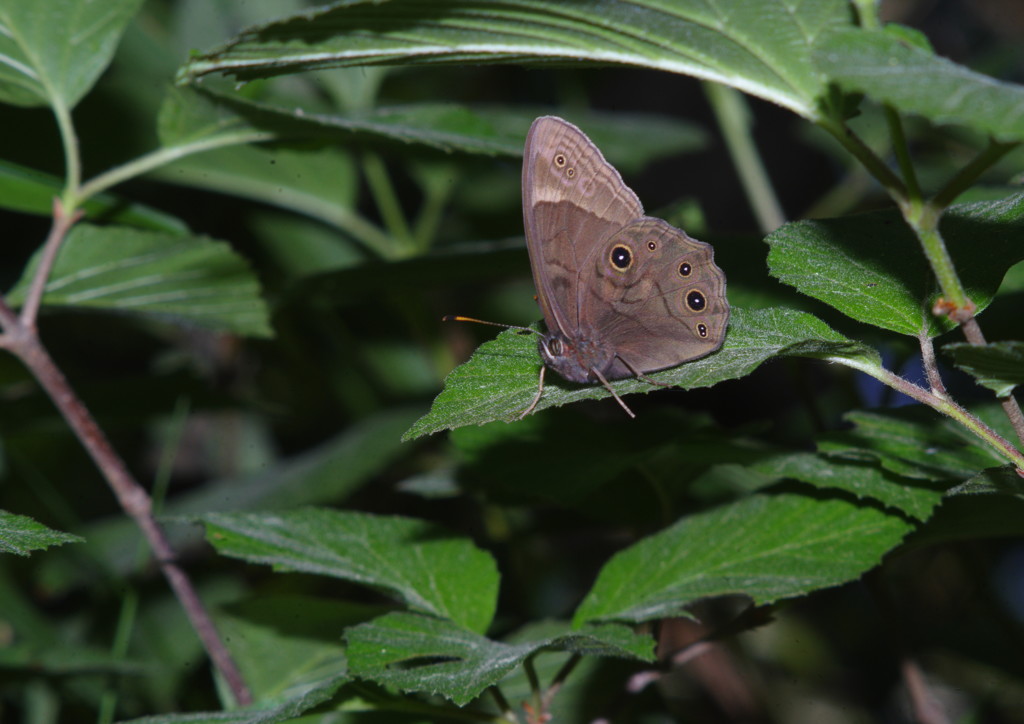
{"points": [[623, 294]]}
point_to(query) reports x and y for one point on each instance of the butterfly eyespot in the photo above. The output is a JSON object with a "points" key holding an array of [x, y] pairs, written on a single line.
{"points": [[621, 257], [652, 245], [702, 330], [696, 301], [685, 269], [560, 160], [570, 172]]}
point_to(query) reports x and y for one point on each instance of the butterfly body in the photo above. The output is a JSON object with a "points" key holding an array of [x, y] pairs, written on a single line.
{"points": [[622, 293]]}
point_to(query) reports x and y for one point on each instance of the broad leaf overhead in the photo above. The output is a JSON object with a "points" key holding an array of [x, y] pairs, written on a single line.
{"points": [[52, 51], [884, 66], [763, 49]]}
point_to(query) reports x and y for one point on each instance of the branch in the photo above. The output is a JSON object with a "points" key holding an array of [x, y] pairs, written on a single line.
{"points": [[941, 404], [22, 340]]}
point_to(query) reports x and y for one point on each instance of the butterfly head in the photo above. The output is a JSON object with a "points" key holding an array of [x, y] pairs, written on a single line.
{"points": [[573, 359]]}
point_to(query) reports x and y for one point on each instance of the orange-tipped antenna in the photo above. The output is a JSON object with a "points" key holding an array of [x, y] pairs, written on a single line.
{"points": [[460, 318]]}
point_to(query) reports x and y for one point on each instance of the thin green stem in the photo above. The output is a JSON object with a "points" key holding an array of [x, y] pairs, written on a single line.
{"points": [[72, 158], [970, 173], [734, 119], [560, 678], [899, 147], [941, 404], [870, 160], [387, 204], [867, 13], [119, 650], [924, 220], [531, 676], [502, 703], [164, 156]]}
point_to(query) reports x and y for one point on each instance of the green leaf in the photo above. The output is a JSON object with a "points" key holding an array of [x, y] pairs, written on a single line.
{"points": [[762, 49], [989, 506], [312, 690], [999, 366], [27, 190], [863, 480], [417, 653], [416, 562], [21, 535], [500, 379], [1004, 480], [52, 51], [871, 267], [913, 442], [629, 140], [277, 650], [914, 80], [764, 547], [187, 279]]}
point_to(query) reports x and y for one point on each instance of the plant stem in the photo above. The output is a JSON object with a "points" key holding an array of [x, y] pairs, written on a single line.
{"points": [[924, 221], [131, 496], [875, 166], [19, 336], [387, 204], [969, 173], [164, 156], [72, 159], [559, 680], [62, 223], [734, 120], [931, 368], [538, 699], [947, 407], [899, 147]]}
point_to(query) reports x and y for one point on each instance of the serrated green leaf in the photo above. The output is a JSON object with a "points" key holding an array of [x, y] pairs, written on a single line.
{"points": [[863, 480], [985, 514], [913, 442], [416, 562], [52, 51], [500, 380], [999, 366], [871, 267], [914, 80], [21, 535], [764, 547], [416, 653], [762, 49], [191, 279], [313, 689], [1004, 480]]}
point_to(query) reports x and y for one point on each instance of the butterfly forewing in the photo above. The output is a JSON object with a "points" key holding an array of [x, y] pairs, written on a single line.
{"points": [[572, 200]]}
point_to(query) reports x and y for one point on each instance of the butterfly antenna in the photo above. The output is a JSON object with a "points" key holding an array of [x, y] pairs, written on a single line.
{"points": [[460, 318]]}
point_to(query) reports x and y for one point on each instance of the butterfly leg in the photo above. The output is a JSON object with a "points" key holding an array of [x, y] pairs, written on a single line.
{"points": [[536, 398], [641, 376], [608, 387]]}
